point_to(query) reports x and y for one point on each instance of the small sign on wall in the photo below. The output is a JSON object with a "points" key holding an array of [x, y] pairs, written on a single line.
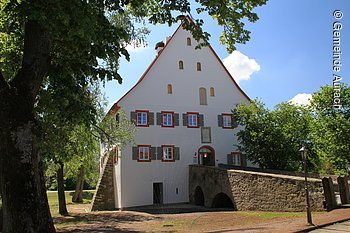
{"points": [[206, 134]]}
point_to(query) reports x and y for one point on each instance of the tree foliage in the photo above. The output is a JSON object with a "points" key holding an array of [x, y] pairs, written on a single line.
{"points": [[272, 139], [331, 129]]}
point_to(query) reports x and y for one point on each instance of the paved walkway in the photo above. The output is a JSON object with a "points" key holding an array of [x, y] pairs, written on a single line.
{"points": [[339, 227]]}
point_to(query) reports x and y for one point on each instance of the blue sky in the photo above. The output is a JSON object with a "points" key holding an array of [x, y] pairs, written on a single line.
{"points": [[290, 51]]}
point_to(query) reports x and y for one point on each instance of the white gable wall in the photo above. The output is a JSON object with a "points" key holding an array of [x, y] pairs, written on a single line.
{"points": [[137, 178]]}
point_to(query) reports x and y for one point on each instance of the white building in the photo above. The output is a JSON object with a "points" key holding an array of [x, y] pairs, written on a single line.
{"points": [[182, 110]]}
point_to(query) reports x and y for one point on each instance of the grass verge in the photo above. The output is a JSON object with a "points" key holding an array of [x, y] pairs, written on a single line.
{"points": [[270, 215], [53, 200]]}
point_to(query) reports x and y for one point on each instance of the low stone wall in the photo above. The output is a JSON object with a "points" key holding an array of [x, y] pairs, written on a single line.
{"points": [[250, 190]]}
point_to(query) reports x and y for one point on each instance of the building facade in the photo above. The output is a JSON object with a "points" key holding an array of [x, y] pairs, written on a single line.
{"points": [[181, 107]]}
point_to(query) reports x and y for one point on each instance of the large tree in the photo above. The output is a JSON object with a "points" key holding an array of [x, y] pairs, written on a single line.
{"points": [[272, 138], [331, 129], [74, 38]]}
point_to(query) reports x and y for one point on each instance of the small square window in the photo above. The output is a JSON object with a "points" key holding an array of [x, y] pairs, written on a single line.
{"points": [[168, 154], [167, 119], [192, 120], [144, 153], [226, 120], [236, 158], [141, 118]]}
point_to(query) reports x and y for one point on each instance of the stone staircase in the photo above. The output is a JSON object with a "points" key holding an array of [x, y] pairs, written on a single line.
{"points": [[104, 195]]}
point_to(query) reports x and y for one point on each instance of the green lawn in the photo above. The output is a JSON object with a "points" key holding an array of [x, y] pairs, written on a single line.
{"points": [[53, 199], [271, 215]]}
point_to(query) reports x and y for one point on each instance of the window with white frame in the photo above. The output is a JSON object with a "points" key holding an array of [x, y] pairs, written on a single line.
{"points": [[237, 159], [227, 120], [143, 153], [168, 153], [192, 119], [142, 118], [167, 119]]}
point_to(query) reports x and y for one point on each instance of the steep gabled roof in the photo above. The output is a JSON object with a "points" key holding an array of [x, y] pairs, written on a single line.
{"points": [[116, 106]]}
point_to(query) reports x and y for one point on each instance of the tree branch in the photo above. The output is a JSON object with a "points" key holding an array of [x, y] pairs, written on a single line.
{"points": [[35, 60], [101, 131]]}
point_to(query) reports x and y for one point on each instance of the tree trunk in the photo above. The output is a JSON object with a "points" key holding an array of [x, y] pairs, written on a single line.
{"points": [[24, 199], [78, 194], [62, 207], [0, 219], [1, 207], [25, 204]]}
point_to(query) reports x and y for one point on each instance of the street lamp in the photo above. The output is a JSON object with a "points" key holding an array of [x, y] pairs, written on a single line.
{"points": [[303, 152]]}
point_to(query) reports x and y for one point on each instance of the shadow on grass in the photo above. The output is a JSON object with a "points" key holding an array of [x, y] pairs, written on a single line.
{"points": [[98, 217], [97, 222]]}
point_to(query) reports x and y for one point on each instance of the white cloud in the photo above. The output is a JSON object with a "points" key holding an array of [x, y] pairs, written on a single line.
{"points": [[136, 49], [240, 66], [301, 99]]}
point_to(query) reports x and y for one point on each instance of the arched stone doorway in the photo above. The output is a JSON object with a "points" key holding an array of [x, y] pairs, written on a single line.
{"points": [[198, 196], [221, 200], [206, 156]]}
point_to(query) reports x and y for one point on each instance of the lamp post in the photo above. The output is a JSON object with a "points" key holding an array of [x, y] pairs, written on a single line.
{"points": [[303, 152]]}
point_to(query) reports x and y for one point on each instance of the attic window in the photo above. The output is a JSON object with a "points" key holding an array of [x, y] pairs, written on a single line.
{"points": [[181, 65], [188, 41], [170, 89], [212, 91], [199, 66]]}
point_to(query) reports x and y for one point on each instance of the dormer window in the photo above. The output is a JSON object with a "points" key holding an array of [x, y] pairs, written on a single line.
{"points": [[199, 66], [188, 41], [181, 65]]}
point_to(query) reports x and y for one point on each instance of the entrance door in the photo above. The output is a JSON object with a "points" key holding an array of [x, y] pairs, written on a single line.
{"points": [[157, 193], [206, 156]]}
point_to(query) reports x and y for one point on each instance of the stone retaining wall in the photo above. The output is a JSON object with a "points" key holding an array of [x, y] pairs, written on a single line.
{"points": [[250, 190]]}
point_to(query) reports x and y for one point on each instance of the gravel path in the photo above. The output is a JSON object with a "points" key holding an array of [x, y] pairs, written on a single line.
{"points": [[199, 220]]}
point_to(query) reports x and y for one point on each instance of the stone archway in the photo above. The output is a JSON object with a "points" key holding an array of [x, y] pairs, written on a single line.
{"points": [[206, 156], [221, 200], [199, 196]]}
